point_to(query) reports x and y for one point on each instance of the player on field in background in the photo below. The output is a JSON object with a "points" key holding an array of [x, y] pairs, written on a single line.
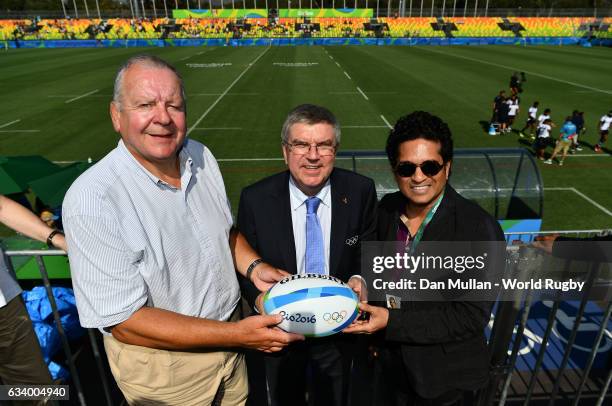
{"points": [[578, 120], [532, 121], [543, 138], [604, 128], [497, 102], [515, 84], [513, 110], [568, 132]]}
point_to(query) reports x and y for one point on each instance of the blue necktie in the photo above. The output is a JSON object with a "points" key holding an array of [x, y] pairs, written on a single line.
{"points": [[315, 253]]}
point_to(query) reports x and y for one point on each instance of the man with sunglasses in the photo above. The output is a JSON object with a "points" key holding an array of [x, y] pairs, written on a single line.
{"points": [[431, 352], [308, 219]]}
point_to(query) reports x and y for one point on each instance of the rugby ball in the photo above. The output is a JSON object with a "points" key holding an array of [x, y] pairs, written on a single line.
{"points": [[311, 304]]}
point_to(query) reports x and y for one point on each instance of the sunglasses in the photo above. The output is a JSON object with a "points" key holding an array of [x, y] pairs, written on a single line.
{"points": [[429, 168]]}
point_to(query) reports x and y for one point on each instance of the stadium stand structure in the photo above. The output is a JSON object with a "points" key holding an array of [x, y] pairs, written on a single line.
{"points": [[162, 28]]}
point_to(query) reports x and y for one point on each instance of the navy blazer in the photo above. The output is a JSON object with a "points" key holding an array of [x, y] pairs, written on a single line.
{"points": [[264, 218]]}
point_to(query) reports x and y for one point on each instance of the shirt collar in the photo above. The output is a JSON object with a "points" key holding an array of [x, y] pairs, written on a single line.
{"points": [[298, 197], [185, 162]]}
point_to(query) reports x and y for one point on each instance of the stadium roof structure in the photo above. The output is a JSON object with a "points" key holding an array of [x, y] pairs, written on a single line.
{"points": [[17, 171], [504, 181]]}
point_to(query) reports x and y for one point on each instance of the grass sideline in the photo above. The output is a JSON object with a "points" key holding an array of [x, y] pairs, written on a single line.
{"points": [[238, 98]]}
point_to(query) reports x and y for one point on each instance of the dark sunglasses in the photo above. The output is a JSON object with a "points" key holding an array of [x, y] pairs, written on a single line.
{"points": [[429, 168]]}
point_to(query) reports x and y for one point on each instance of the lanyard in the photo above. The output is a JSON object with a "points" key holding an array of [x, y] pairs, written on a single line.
{"points": [[421, 230]]}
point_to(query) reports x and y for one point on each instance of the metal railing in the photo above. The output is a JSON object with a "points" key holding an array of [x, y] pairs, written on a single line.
{"points": [[70, 359], [530, 236], [524, 262], [503, 329]]}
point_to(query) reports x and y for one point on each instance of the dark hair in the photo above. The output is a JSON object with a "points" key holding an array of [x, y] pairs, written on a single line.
{"points": [[419, 125], [546, 111], [536, 103]]}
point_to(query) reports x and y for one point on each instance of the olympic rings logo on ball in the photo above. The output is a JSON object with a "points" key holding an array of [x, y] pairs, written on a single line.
{"points": [[335, 317]]}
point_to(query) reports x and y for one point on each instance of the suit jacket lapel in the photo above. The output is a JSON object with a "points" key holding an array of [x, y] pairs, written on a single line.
{"points": [[340, 205], [442, 225], [281, 200]]}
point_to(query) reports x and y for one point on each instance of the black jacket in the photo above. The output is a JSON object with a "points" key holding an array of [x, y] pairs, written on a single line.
{"points": [[264, 218], [442, 344]]}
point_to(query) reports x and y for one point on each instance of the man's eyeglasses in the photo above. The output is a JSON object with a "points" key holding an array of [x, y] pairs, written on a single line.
{"points": [[303, 148], [429, 168]]}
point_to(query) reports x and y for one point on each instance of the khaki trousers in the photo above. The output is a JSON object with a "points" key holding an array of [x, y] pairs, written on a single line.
{"points": [[148, 376], [21, 361]]}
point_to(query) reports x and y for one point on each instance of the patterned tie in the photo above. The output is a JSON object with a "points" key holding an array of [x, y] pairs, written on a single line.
{"points": [[315, 261]]}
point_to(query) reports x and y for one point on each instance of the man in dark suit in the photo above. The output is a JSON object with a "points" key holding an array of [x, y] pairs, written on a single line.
{"points": [[431, 352], [309, 219]]}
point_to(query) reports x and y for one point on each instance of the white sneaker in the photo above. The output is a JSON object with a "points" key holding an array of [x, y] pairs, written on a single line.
{"points": [[578, 148], [548, 162], [560, 163]]}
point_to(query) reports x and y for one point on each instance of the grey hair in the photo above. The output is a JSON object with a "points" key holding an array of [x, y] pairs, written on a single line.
{"points": [[149, 61], [310, 114]]}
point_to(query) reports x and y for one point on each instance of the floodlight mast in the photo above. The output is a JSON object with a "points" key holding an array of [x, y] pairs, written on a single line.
{"points": [[76, 12], [64, 8]]}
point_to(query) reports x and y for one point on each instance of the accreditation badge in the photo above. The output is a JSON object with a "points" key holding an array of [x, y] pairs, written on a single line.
{"points": [[393, 302]]}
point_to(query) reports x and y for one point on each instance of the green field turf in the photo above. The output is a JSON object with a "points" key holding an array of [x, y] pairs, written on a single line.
{"points": [[237, 108]]}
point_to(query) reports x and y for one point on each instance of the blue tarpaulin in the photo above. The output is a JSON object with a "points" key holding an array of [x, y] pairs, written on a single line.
{"points": [[41, 314]]}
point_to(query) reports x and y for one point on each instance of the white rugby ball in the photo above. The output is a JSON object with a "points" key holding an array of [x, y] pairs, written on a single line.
{"points": [[311, 304]]}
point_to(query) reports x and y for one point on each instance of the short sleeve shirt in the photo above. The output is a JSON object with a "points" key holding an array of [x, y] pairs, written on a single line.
{"points": [[568, 130], [605, 122], [9, 288], [134, 240], [544, 131]]}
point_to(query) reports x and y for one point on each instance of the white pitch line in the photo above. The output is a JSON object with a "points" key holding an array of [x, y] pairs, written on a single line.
{"points": [[362, 93], [248, 159], [19, 131], [11, 123], [218, 128], [347, 75], [331, 57], [185, 58], [81, 96], [386, 122], [513, 68], [585, 197], [229, 94], [338, 65], [227, 90], [589, 155]]}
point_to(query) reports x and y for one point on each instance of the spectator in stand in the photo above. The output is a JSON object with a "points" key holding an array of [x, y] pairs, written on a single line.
{"points": [[543, 138], [532, 121], [604, 128], [568, 132], [513, 110], [578, 120]]}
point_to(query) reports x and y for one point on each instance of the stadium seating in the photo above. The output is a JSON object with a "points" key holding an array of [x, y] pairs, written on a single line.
{"points": [[117, 28]]}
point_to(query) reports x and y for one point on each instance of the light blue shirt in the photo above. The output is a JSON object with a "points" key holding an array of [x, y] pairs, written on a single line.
{"points": [[134, 240], [568, 130], [9, 288], [298, 218]]}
